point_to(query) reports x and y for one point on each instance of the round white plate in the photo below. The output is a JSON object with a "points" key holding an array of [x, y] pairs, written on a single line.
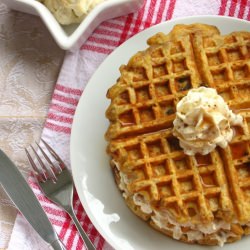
{"points": [[90, 164]]}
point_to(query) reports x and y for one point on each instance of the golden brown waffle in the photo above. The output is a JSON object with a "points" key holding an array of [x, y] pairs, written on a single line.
{"points": [[207, 197], [153, 81]]}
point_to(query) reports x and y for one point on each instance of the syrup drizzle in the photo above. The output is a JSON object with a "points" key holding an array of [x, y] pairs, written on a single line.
{"points": [[241, 110]]}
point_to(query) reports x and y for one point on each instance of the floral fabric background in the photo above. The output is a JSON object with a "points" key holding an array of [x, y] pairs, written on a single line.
{"points": [[29, 65]]}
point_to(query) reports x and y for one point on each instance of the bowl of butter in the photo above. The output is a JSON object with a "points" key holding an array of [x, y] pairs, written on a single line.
{"points": [[71, 22]]}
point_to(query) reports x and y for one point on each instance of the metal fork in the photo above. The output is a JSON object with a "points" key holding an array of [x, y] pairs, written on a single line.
{"points": [[56, 182]]}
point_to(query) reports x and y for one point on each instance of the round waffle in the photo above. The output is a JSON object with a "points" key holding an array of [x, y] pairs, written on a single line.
{"points": [[196, 199]]}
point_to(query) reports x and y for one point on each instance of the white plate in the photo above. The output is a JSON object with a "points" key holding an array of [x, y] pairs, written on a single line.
{"points": [[90, 164]]}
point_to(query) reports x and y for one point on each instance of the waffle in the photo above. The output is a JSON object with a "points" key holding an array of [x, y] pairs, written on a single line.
{"points": [[196, 199]]}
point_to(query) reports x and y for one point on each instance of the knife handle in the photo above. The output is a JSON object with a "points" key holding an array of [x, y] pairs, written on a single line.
{"points": [[57, 245]]}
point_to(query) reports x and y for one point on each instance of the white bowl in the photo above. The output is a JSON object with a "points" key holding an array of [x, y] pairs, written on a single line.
{"points": [[73, 36]]}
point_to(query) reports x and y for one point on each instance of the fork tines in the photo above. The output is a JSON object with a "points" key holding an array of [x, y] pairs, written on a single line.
{"points": [[44, 167]]}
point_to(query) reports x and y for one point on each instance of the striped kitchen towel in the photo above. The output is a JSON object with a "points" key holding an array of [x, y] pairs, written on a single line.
{"points": [[77, 69]]}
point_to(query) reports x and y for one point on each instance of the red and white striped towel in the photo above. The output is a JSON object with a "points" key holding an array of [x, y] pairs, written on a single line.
{"points": [[75, 73]]}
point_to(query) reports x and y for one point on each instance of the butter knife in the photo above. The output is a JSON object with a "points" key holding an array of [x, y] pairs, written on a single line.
{"points": [[25, 200]]}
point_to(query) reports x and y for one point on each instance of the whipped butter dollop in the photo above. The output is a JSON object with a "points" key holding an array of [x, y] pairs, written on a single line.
{"points": [[203, 121], [70, 11]]}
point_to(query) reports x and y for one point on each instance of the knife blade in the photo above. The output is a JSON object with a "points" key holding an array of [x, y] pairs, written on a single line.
{"points": [[25, 200]]}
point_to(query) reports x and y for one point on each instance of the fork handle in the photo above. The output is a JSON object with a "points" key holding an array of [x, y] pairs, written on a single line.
{"points": [[83, 234]]}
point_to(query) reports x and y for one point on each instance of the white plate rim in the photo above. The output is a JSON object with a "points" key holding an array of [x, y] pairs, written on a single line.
{"points": [[89, 88]]}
